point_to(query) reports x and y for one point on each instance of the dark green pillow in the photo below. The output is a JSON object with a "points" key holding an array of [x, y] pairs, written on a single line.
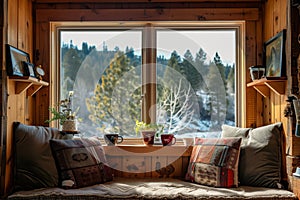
{"points": [[261, 154]]}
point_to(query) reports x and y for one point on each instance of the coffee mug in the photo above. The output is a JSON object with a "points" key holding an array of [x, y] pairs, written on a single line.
{"points": [[297, 172], [148, 137], [168, 139], [113, 139]]}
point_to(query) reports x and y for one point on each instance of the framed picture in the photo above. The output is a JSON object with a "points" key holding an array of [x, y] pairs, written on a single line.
{"points": [[28, 69], [275, 56], [14, 61]]}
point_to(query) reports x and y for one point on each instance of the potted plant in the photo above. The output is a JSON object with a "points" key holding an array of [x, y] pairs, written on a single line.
{"points": [[65, 114], [148, 131]]}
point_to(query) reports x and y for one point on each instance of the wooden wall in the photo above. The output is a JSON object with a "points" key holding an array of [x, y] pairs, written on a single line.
{"points": [[29, 30], [3, 99], [19, 30], [274, 21], [49, 10], [279, 15]]}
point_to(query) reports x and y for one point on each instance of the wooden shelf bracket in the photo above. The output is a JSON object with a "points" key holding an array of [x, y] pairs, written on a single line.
{"points": [[264, 86], [29, 84]]}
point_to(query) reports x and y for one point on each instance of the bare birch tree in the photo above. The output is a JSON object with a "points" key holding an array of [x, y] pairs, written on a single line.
{"points": [[175, 109]]}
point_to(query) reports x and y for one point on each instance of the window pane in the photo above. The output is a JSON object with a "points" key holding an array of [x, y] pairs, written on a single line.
{"points": [[103, 68], [196, 80]]}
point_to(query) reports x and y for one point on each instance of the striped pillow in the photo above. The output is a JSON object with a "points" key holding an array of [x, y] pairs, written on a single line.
{"points": [[214, 162]]}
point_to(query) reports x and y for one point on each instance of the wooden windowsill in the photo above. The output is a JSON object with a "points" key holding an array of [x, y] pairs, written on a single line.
{"points": [[139, 142]]}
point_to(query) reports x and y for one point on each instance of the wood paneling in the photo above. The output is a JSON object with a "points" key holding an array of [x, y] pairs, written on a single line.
{"points": [[3, 83], [262, 23], [45, 15], [20, 35], [42, 52], [296, 183], [153, 161], [275, 15], [184, 14], [251, 59], [274, 21]]}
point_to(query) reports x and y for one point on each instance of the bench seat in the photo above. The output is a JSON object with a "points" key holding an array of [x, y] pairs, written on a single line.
{"points": [[150, 188]]}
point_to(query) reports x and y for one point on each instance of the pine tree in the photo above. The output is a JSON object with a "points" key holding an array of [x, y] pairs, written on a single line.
{"points": [[114, 103], [219, 64], [190, 71], [70, 64], [217, 96]]}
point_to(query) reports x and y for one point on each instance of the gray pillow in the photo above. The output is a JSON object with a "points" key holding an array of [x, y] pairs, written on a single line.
{"points": [[34, 163], [261, 154]]}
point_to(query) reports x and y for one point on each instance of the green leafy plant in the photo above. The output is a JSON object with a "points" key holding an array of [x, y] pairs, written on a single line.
{"points": [[63, 110], [142, 126]]}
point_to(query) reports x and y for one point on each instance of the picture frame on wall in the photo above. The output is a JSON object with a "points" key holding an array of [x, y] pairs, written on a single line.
{"points": [[14, 60], [29, 69], [274, 56]]}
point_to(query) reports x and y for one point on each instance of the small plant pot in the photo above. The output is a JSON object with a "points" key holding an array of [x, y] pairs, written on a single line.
{"points": [[148, 137], [70, 125]]}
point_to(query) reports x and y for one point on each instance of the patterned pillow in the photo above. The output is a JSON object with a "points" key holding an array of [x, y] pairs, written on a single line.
{"points": [[214, 162], [80, 162]]}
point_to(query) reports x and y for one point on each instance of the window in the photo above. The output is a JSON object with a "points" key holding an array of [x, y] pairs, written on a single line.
{"points": [[181, 75]]}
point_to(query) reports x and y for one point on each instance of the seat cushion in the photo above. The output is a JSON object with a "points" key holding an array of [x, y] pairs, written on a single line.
{"points": [[152, 189], [261, 154]]}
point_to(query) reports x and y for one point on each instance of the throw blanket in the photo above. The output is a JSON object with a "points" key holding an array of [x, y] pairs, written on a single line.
{"points": [[153, 189]]}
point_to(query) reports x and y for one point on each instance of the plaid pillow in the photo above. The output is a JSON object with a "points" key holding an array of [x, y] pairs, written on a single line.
{"points": [[80, 162], [214, 162]]}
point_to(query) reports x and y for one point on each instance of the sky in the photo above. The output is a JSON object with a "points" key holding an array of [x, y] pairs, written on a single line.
{"points": [[211, 42]]}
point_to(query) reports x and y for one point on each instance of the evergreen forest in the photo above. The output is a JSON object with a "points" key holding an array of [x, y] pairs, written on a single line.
{"points": [[193, 94]]}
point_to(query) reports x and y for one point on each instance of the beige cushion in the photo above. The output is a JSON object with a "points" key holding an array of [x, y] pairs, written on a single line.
{"points": [[154, 188], [34, 164], [261, 154]]}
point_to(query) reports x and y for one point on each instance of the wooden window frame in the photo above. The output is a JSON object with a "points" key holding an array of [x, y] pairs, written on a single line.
{"points": [[149, 58]]}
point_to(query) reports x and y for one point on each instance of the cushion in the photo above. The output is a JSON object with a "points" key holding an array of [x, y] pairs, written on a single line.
{"points": [[34, 163], [261, 153], [214, 162], [80, 162]]}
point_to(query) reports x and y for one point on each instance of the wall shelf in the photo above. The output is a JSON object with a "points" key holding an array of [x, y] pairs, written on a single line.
{"points": [[265, 85], [27, 83]]}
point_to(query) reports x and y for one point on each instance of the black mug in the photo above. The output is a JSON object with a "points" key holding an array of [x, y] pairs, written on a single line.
{"points": [[113, 139]]}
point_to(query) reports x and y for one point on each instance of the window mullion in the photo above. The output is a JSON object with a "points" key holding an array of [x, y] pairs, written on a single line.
{"points": [[149, 74]]}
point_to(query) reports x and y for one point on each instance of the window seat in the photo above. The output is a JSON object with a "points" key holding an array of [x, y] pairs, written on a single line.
{"points": [[143, 175], [153, 188]]}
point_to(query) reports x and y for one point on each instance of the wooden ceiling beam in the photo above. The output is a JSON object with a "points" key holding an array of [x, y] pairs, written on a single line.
{"points": [[177, 14], [143, 1]]}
